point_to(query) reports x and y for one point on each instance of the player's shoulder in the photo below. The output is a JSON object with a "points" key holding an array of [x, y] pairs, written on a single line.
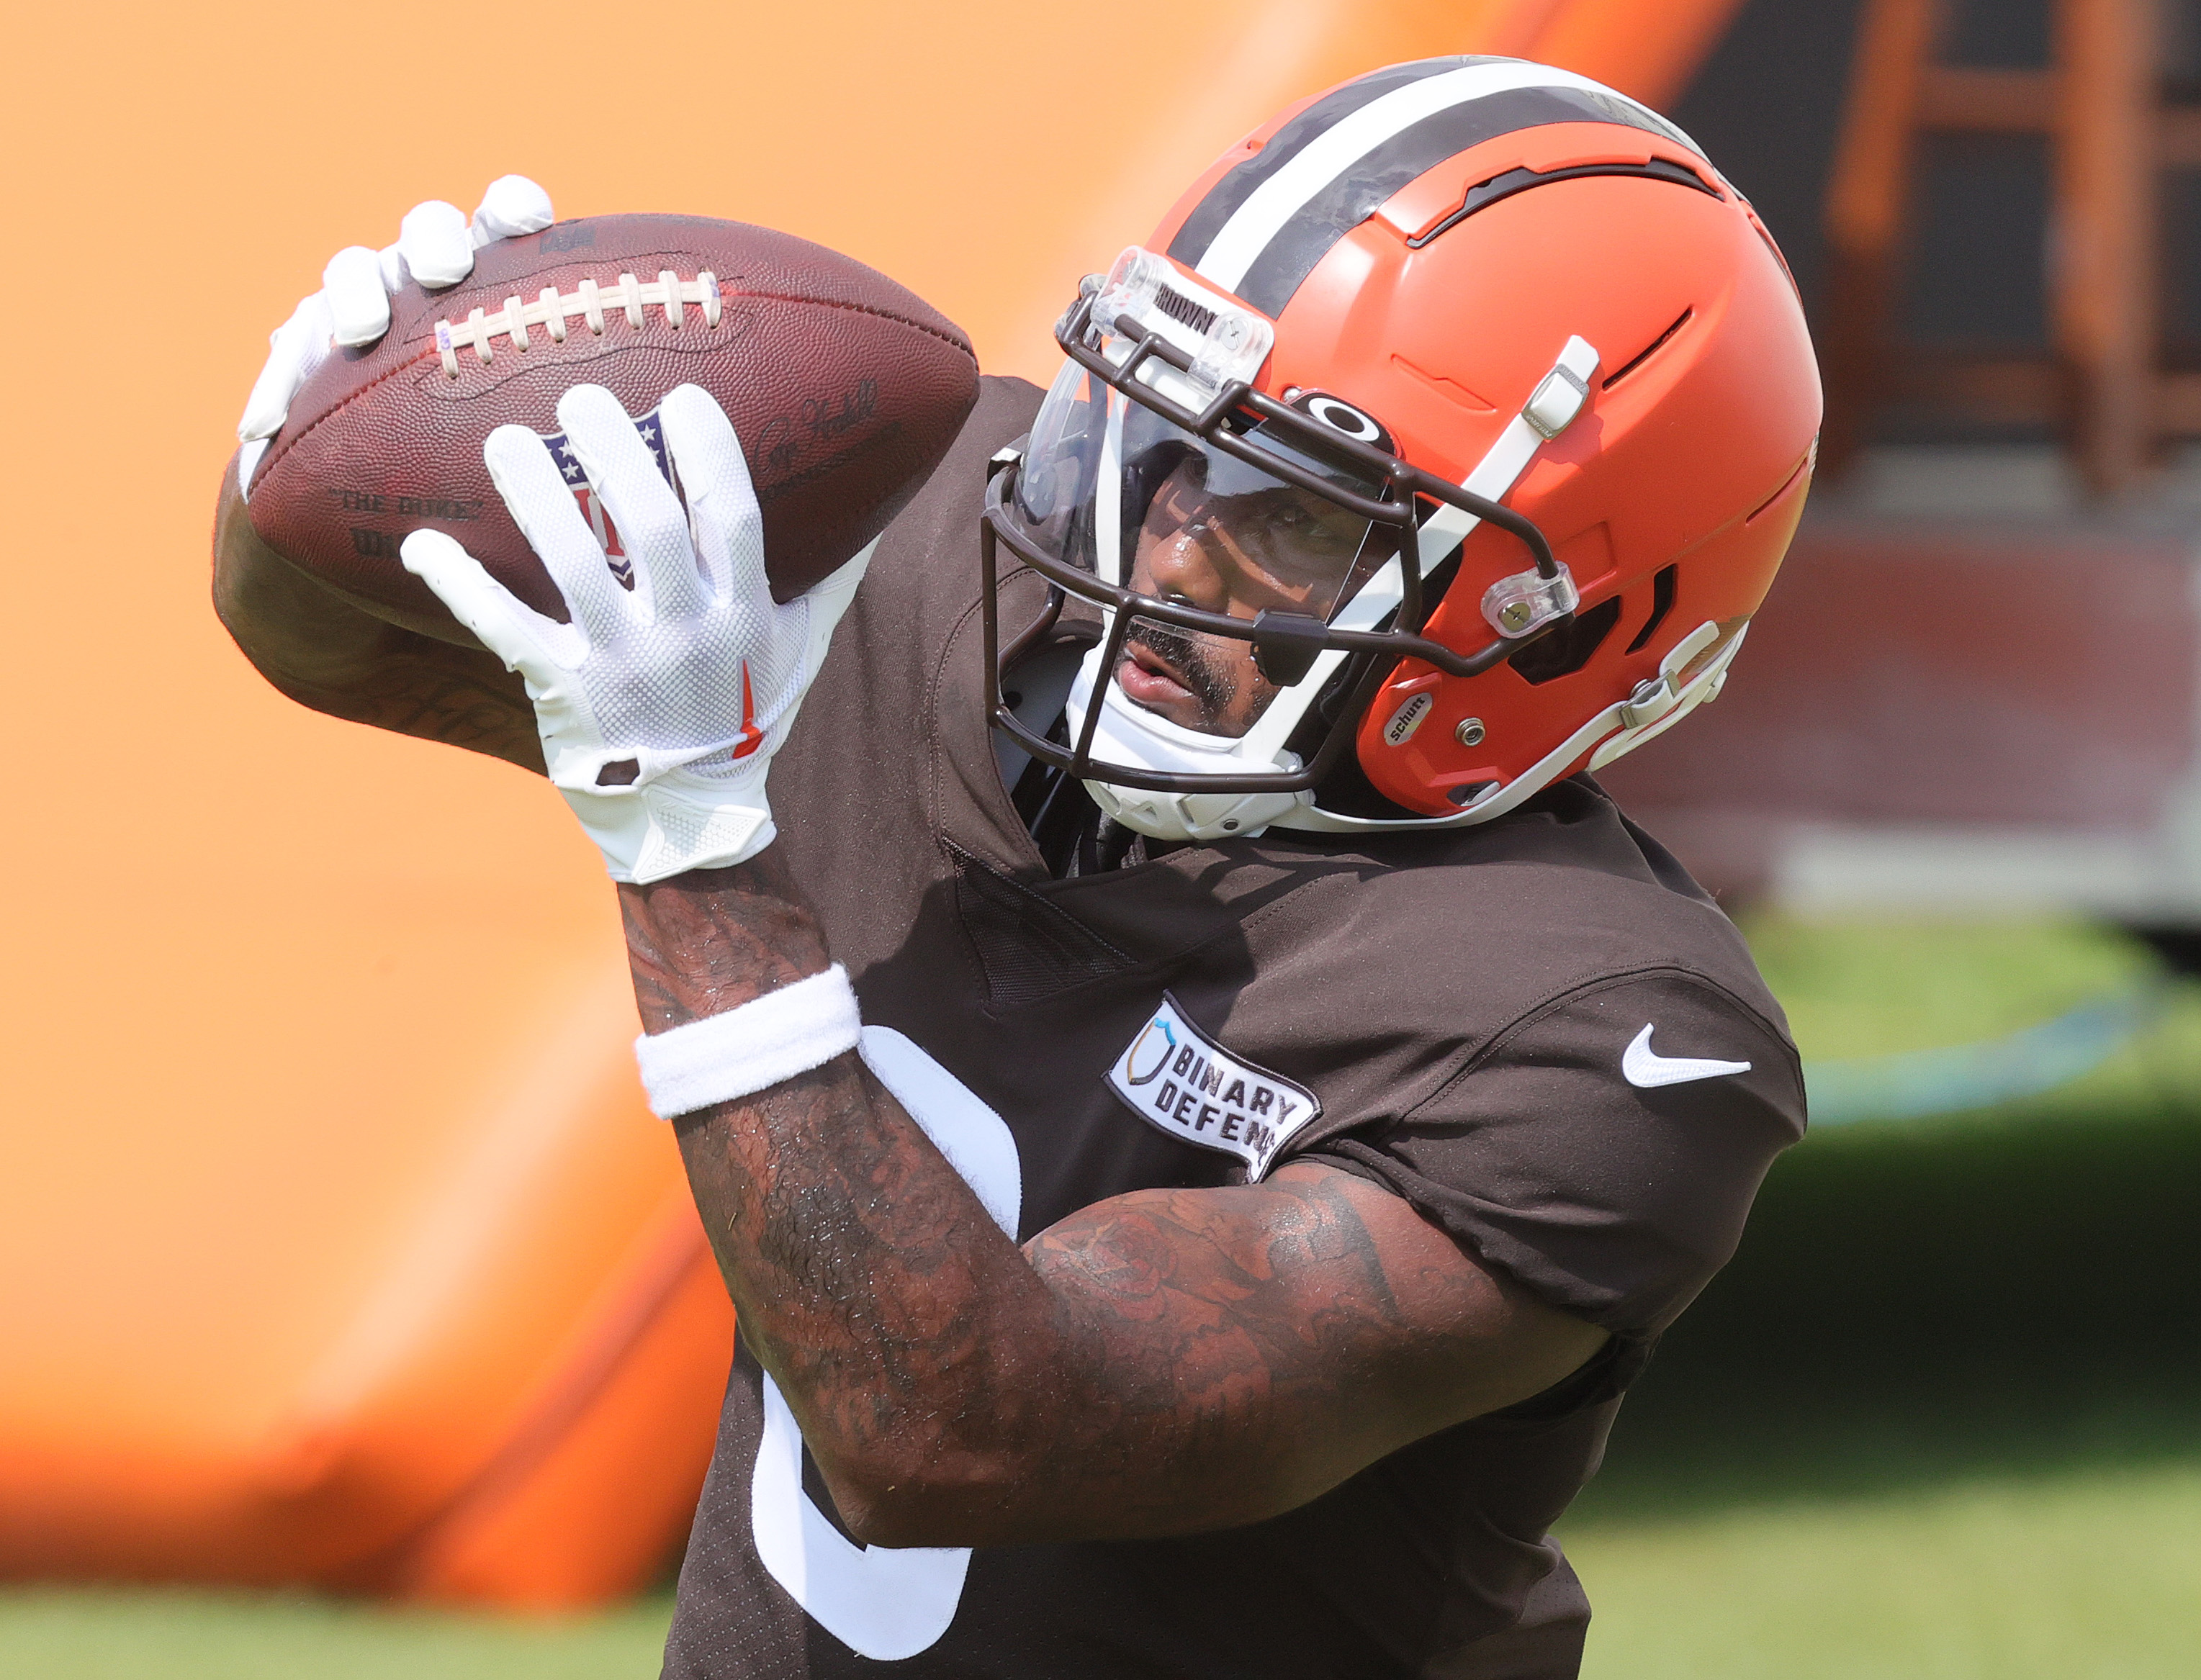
{"points": [[1563, 899]]}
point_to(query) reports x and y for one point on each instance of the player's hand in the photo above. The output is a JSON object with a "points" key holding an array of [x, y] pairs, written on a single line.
{"points": [[435, 246], [659, 706]]}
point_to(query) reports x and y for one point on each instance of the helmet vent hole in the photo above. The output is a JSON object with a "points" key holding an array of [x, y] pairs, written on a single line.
{"points": [[1564, 650], [1662, 603], [1651, 349], [1484, 194]]}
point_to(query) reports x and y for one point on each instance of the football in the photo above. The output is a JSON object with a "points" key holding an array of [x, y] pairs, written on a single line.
{"points": [[846, 390]]}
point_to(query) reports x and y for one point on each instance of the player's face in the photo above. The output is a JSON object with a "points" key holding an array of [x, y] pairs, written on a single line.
{"points": [[1276, 548]]}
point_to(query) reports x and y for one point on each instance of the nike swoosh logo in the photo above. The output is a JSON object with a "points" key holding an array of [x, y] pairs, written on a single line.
{"points": [[1647, 1070], [751, 736]]}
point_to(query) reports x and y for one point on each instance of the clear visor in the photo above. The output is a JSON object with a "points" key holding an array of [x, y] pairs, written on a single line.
{"points": [[1112, 488]]}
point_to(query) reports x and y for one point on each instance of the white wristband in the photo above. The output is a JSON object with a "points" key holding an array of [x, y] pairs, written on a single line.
{"points": [[771, 1038]]}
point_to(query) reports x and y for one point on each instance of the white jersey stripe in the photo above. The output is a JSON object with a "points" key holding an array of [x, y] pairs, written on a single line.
{"points": [[1264, 215]]}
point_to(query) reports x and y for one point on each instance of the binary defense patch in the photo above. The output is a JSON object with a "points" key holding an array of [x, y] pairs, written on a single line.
{"points": [[1176, 1078]]}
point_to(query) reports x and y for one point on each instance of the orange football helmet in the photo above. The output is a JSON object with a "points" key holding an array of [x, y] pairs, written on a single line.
{"points": [[1485, 405]]}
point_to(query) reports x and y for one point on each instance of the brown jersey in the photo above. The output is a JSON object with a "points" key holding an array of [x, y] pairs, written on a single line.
{"points": [[1538, 1032]]}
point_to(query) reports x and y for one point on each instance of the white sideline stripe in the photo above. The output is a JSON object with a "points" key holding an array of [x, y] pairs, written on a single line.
{"points": [[1257, 221]]}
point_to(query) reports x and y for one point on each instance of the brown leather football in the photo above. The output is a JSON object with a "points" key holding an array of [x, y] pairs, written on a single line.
{"points": [[845, 388]]}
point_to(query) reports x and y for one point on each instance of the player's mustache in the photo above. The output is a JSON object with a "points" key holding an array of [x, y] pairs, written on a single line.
{"points": [[1191, 658]]}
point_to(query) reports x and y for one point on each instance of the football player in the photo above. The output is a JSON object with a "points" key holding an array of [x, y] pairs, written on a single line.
{"points": [[1202, 1102]]}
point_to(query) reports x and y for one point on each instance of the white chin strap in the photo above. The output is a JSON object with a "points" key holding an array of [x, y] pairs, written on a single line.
{"points": [[1130, 735]]}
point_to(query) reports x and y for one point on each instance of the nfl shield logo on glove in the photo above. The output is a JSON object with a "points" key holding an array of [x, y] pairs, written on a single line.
{"points": [[592, 505]]}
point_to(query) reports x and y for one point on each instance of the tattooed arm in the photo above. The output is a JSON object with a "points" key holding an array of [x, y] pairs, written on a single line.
{"points": [[1161, 1362], [325, 653]]}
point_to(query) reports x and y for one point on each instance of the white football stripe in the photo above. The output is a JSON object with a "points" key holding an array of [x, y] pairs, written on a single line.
{"points": [[1647, 1070], [1284, 194]]}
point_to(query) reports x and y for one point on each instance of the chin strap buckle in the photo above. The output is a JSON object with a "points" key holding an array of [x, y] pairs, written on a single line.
{"points": [[1655, 696], [1563, 395], [1653, 699]]}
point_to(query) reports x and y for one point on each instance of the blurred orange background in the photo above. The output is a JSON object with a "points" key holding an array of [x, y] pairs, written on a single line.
{"points": [[338, 1245]]}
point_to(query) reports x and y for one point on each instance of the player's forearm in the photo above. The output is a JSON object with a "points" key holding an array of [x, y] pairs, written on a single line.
{"points": [[908, 1332], [327, 654]]}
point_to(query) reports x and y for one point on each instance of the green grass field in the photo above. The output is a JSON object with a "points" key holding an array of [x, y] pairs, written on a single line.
{"points": [[179, 1635], [2093, 1573], [1941, 1417], [1940, 1420]]}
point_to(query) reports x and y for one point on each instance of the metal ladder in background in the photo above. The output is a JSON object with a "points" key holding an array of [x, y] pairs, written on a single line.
{"points": [[2111, 134]]}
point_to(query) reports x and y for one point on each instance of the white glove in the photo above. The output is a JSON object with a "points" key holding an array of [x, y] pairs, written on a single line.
{"points": [[660, 707], [435, 246]]}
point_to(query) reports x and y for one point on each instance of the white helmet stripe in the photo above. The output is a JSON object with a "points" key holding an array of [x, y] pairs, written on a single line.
{"points": [[1340, 177], [1237, 184]]}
